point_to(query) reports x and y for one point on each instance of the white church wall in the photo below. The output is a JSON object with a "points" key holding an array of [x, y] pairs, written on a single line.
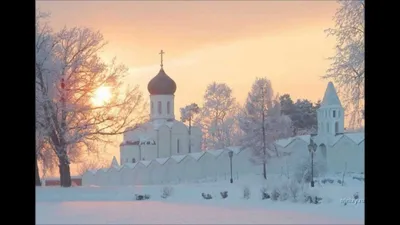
{"points": [[174, 172], [155, 172], [344, 151], [127, 174], [196, 167], [208, 165], [224, 164], [102, 177], [163, 169], [196, 136], [114, 176], [129, 152], [164, 112], [163, 142], [88, 178], [148, 152], [180, 132]]}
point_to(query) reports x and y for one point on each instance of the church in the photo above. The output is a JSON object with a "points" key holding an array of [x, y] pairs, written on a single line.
{"points": [[163, 136], [162, 151]]}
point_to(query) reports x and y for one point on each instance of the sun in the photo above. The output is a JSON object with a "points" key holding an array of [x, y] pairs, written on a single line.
{"points": [[101, 96]]}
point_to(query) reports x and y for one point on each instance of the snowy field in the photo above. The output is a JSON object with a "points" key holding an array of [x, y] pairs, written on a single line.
{"points": [[185, 205]]}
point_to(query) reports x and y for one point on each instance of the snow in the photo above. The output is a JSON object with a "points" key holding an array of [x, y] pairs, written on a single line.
{"points": [[216, 153], [115, 205], [197, 155], [145, 163], [284, 142], [161, 161], [235, 150], [356, 137], [305, 138], [178, 158]]}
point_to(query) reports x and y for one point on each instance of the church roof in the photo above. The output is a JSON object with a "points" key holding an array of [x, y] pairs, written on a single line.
{"points": [[330, 98], [161, 84], [197, 155]]}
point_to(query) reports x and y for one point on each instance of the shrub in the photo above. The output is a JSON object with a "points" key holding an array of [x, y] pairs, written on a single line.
{"points": [[206, 196], [264, 194], [224, 194], [246, 193], [166, 192]]}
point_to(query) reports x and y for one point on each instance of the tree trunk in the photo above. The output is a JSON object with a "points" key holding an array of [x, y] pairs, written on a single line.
{"points": [[190, 134], [264, 147], [37, 177], [265, 170], [65, 173]]}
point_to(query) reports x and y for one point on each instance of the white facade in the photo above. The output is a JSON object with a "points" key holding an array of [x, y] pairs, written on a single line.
{"points": [[162, 136], [167, 164]]}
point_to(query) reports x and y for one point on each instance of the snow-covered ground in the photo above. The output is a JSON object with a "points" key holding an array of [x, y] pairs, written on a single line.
{"points": [[116, 205]]}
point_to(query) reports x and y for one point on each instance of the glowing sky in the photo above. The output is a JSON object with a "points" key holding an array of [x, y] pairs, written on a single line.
{"points": [[205, 41]]}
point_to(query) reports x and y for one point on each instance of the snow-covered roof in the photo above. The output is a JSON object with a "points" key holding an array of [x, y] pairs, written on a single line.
{"points": [[130, 165], [104, 169], [161, 161], [330, 97], [216, 152], [178, 158], [284, 142], [93, 171], [305, 138], [356, 137], [235, 149], [197, 155], [145, 163], [114, 162]]}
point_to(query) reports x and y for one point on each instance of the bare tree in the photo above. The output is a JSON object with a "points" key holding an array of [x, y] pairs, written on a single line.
{"points": [[69, 76], [347, 67], [263, 123], [219, 105], [187, 114]]}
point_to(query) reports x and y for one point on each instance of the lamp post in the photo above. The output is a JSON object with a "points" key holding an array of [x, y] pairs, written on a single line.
{"points": [[230, 153], [312, 148]]}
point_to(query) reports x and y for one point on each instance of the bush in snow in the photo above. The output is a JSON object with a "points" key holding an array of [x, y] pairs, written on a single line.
{"points": [[293, 188], [311, 196], [246, 193], [356, 196], [206, 196], [224, 194], [275, 194], [264, 194], [142, 197], [303, 169], [327, 180], [166, 192]]}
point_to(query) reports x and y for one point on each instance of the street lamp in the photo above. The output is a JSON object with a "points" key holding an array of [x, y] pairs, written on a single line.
{"points": [[230, 153], [312, 148]]}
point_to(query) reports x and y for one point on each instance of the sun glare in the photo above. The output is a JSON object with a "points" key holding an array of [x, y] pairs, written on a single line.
{"points": [[101, 96]]}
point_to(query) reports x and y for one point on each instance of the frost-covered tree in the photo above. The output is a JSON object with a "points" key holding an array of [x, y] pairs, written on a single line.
{"points": [[347, 67], [263, 123], [219, 106], [187, 114], [90, 164], [71, 113]]}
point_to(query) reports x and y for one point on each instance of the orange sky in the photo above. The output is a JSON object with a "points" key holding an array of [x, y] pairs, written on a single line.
{"points": [[205, 41]]}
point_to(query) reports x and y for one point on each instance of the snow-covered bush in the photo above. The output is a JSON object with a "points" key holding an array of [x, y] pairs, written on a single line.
{"points": [[246, 193], [166, 192], [275, 194], [303, 169], [264, 193], [142, 197], [224, 194], [206, 196]]}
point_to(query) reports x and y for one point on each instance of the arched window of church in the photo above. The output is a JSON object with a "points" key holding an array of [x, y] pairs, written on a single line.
{"points": [[159, 107], [177, 145], [336, 127], [168, 107], [152, 108], [334, 113], [327, 127], [133, 160]]}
